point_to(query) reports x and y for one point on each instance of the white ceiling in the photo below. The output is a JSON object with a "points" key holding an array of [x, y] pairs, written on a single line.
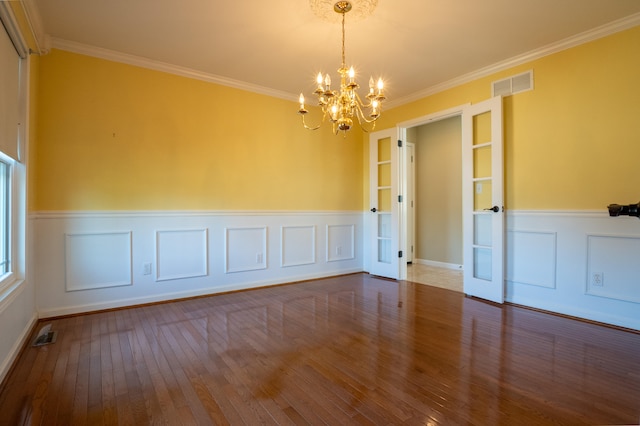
{"points": [[281, 45]]}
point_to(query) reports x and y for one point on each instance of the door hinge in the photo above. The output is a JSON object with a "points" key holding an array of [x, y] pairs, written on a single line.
{"points": [[400, 253], [399, 143], [399, 198]]}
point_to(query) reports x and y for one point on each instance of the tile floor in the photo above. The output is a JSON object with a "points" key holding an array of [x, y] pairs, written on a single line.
{"points": [[434, 276]]}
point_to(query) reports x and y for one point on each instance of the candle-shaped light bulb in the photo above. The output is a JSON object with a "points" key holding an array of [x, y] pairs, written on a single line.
{"points": [[380, 85], [327, 81], [371, 85], [301, 101], [352, 73], [334, 111], [374, 108], [319, 80]]}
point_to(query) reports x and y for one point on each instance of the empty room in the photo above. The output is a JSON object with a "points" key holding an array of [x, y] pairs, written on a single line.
{"points": [[319, 212]]}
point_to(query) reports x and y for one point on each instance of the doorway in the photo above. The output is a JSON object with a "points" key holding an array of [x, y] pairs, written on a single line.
{"points": [[433, 178]]}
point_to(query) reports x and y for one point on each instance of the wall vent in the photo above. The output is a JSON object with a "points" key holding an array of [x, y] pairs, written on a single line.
{"points": [[512, 85]]}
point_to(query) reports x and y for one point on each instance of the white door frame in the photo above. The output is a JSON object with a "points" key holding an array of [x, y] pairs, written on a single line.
{"points": [[410, 196]]}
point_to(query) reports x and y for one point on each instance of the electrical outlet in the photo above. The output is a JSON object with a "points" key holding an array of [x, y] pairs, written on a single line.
{"points": [[259, 258], [339, 251], [597, 279], [147, 268]]}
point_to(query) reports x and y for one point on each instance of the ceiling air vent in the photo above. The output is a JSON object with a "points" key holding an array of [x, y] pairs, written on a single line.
{"points": [[512, 85]]}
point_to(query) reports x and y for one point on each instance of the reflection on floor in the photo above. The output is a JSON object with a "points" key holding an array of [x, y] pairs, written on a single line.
{"points": [[450, 279]]}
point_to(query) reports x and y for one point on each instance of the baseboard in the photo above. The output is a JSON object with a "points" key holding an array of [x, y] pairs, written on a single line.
{"points": [[167, 297], [438, 264]]}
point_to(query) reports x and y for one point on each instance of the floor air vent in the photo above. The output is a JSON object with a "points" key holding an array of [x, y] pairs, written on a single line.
{"points": [[512, 85], [45, 336]]}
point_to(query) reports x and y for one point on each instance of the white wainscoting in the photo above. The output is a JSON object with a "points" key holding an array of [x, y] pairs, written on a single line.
{"points": [[552, 256], [192, 253], [17, 319]]}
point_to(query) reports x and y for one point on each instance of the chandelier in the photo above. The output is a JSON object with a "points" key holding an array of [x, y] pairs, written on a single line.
{"points": [[344, 106]]}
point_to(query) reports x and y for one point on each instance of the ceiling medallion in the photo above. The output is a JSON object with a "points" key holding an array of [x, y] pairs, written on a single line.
{"points": [[360, 9]]}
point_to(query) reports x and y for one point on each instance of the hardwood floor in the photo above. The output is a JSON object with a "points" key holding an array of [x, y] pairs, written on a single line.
{"points": [[346, 350]]}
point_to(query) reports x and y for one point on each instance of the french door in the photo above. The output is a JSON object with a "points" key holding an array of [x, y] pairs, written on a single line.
{"points": [[383, 184], [483, 200]]}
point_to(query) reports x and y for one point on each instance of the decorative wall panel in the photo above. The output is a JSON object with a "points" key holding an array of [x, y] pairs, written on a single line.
{"points": [[531, 258], [340, 242], [298, 245], [181, 254], [613, 267], [97, 260], [246, 249]]}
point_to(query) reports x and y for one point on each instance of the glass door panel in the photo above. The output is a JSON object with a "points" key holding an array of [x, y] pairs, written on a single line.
{"points": [[482, 194], [482, 128], [482, 161], [384, 200]]}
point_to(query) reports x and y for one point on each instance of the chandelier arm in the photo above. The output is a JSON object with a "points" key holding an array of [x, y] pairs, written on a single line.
{"points": [[367, 105], [360, 114], [362, 120], [325, 114], [304, 124]]}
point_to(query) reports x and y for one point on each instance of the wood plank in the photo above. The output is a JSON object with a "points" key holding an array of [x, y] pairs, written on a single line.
{"points": [[344, 350]]}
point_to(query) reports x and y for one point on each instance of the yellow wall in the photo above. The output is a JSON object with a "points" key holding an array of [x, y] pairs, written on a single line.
{"points": [[34, 79], [574, 141], [117, 137]]}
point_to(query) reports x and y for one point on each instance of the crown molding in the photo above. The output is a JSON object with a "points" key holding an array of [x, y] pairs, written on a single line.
{"points": [[573, 41], [111, 55]]}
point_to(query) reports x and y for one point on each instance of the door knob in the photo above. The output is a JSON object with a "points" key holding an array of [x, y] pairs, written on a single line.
{"points": [[494, 209], [374, 210]]}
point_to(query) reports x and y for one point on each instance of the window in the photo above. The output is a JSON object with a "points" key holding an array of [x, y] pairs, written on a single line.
{"points": [[5, 217]]}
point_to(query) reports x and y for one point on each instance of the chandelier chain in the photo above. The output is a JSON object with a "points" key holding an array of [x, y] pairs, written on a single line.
{"points": [[343, 37]]}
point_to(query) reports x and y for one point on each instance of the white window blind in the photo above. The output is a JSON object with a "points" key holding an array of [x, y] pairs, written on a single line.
{"points": [[9, 96]]}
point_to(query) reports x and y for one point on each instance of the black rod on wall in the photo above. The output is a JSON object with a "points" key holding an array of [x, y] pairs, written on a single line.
{"points": [[624, 210]]}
